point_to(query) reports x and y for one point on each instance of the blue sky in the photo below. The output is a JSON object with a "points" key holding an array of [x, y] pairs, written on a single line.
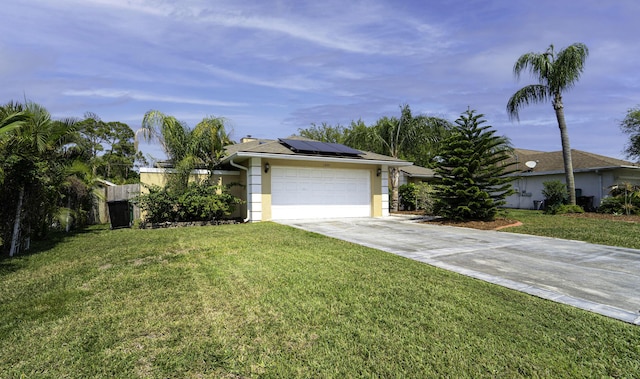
{"points": [[272, 67]]}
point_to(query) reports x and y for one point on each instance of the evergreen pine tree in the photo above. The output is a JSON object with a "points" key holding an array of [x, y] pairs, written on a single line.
{"points": [[473, 181]]}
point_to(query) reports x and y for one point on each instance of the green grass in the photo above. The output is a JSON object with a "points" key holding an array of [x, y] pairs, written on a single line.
{"points": [[604, 232], [265, 300]]}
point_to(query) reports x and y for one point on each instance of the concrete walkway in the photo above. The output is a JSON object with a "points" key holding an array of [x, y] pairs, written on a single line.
{"points": [[597, 278]]}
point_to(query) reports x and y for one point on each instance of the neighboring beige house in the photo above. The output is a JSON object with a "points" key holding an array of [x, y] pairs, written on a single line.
{"points": [[297, 178], [594, 175]]}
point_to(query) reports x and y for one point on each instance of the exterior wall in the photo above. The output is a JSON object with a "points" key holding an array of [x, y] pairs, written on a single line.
{"points": [[383, 194], [159, 177], [593, 183], [254, 190], [379, 184], [529, 189], [266, 194], [404, 179]]}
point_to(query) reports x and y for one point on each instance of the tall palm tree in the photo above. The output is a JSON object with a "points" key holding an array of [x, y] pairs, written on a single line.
{"points": [[209, 138], [186, 148], [405, 137], [556, 73]]}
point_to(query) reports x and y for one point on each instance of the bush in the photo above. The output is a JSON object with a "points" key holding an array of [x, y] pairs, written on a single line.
{"points": [[555, 194], [408, 194], [566, 208], [618, 205], [197, 202], [158, 205], [416, 197], [205, 203], [425, 197]]}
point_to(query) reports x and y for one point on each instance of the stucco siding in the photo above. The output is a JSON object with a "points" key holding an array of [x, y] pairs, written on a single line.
{"points": [[595, 183]]}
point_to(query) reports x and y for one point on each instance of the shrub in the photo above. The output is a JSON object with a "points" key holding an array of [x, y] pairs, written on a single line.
{"points": [[555, 194], [566, 208], [416, 197], [205, 203], [158, 204], [408, 196], [425, 199], [618, 205], [198, 202]]}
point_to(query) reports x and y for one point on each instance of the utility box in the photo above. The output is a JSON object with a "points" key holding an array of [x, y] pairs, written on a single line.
{"points": [[120, 214]]}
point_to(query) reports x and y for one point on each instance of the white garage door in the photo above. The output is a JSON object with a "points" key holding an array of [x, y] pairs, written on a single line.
{"points": [[298, 193]]}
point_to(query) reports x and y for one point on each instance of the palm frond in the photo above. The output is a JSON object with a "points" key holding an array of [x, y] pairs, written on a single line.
{"points": [[569, 65], [149, 127], [540, 66], [534, 93]]}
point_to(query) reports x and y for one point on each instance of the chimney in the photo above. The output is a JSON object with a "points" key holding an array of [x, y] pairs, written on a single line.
{"points": [[248, 138]]}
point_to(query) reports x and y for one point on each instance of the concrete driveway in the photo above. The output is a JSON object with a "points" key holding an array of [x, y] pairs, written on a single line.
{"points": [[600, 279]]}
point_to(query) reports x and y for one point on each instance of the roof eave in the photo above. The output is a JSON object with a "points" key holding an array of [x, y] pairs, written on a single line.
{"points": [[241, 155], [556, 172]]}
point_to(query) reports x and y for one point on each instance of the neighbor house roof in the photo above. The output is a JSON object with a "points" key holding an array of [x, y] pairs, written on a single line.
{"points": [[418, 172], [553, 162], [267, 148]]}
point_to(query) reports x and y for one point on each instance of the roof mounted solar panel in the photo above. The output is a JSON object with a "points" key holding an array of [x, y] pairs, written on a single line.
{"points": [[321, 148]]}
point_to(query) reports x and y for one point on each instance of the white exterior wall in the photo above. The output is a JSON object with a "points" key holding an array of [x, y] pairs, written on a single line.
{"points": [[404, 179], [384, 177], [254, 190], [591, 183]]}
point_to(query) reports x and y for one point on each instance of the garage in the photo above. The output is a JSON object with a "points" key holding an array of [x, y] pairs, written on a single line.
{"points": [[304, 192]]}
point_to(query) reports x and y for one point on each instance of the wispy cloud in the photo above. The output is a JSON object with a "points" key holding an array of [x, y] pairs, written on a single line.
{"points": [[297, 83], [141, 96], [362, 28]]}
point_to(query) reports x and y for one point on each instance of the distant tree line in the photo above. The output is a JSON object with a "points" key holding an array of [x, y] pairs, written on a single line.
{"points": [[415, 138]]}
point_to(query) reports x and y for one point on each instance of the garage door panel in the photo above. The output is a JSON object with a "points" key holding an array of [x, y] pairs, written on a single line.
{"points": [[319, 193]]}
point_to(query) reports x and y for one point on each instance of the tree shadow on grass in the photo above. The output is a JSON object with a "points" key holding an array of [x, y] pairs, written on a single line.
{"points": [[11, 264]]}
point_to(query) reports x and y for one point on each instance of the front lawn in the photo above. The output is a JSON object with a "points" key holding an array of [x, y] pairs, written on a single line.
{"points": [[265, 300], [609, 230]]}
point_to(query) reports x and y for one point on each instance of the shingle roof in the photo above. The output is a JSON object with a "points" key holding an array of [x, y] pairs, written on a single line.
{"points": [[418, 172], [266, 146], [554, 162]]}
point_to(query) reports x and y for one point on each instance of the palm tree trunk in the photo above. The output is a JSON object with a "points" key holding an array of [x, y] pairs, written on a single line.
{"points": [[394, 180], [566, 150], [16, 225]]}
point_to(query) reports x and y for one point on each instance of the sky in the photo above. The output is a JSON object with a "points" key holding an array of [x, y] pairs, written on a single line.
{"points": [[271, 68]]}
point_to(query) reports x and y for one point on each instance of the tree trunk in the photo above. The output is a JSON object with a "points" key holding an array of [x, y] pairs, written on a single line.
{"points": [[566, 150], [16, 225], [394, 178], [67, 228]]}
